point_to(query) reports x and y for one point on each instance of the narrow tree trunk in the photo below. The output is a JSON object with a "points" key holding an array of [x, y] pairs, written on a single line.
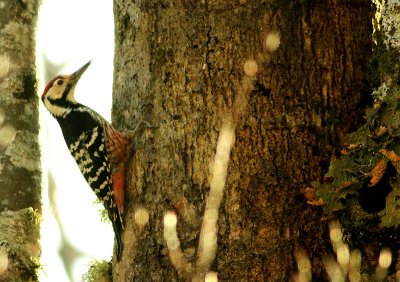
{"points": [[20, 173], [291, 76]]}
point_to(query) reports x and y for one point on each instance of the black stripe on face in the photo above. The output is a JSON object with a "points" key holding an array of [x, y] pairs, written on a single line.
{"points": [[62, 102], [67, 89]]}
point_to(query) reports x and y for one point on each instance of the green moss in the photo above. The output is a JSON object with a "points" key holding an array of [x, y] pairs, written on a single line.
{"points": [[104, 216], [103, 212], [98, 272], [390, 216], [351, 175]]}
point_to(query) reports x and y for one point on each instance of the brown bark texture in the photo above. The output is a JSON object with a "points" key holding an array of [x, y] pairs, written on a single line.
{"points": [[20, 172], [292, 77]]}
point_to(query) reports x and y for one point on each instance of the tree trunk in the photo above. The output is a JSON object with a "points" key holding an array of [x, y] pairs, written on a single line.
{"points": [[290, 75], [20, 173]]}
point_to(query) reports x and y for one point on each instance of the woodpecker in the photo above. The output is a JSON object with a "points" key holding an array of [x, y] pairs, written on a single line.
{"points": [[97, 147]]}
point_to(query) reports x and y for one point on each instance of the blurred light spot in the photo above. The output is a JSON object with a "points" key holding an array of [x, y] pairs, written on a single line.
{"points": [[170, 220], [170, 235], [335, 233], [333, 270], [343, 254], [354, 276], [354, 266], [302, 277], [211, 276], [7, 134], [385, 258], [3, 261], [211, 215], [337, 276], [4, 64], [210, 239], [250, 67], [304, 265], [272, 41], [220, 166], [355, 259], [141, 216]]}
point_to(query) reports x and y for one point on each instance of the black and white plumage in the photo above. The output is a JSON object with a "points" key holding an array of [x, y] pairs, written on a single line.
{"points": [[97, 147]]}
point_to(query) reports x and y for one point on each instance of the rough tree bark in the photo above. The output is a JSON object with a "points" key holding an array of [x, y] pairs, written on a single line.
{"points": [[20, 173], [184, 66]]}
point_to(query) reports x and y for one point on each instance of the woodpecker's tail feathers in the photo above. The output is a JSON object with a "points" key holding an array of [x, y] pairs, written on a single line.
{"points": [[117, 226]]}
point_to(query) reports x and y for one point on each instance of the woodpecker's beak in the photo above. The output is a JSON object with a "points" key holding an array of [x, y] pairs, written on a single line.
{"points": [[77, 75]]}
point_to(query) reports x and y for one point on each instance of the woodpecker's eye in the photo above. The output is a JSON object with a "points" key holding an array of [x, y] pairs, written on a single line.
{"points": [[60, 82]]}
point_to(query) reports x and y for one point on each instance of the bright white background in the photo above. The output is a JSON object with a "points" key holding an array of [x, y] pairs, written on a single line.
{"points": [[70, 33]]}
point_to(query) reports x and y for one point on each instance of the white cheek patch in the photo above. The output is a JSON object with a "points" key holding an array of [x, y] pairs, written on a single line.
{"points": [[70, 96], [56, 110]]}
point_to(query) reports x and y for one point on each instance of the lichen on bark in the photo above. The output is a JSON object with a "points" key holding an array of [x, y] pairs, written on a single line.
{"points": [[20, 171], [19, 248]]}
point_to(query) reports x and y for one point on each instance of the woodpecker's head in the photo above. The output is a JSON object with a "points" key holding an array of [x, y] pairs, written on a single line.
{"points": [[58, 95]]}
